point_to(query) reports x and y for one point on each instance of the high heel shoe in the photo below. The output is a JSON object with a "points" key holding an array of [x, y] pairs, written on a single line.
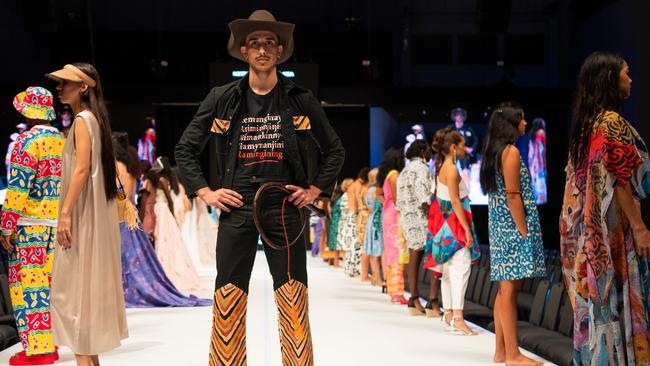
{"points": [[430, 311], [459, 331], [412, 309], [446, 324]]}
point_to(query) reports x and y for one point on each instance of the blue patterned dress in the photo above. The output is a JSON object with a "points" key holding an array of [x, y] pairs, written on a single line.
{"points": [[373, 245], [511, 256]]}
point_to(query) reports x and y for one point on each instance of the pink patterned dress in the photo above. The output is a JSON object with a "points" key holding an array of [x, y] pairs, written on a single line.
{"points": [[394, 243]]}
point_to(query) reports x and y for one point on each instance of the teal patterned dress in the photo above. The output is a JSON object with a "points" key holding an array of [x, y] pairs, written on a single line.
{"points": [[373, 245], [511, 256], [333, 230]]}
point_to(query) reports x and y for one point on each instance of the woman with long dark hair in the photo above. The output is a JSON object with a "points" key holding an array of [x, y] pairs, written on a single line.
{"points": [[87, 302], [453, 246], [604, 241], [143, 278], [171, 248], [516, 248], [395, 254]]}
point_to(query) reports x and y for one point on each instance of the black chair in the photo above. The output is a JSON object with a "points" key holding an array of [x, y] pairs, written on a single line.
{"points": [[493, 294], [532, 339], [476, 309], [480, 285], [471, 283], [559, 349], [8, 333], [536, 312], [556, 274]]}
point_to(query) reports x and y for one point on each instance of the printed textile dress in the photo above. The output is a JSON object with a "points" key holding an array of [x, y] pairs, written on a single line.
{"points": [[333, 227], [446, 235], [373, 240], [608, 283], [511, 256], [413, 198], [143, 278], [347, 238]]}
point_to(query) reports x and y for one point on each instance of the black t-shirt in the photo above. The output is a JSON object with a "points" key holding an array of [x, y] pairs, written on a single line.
{"points": [[261, 145]]}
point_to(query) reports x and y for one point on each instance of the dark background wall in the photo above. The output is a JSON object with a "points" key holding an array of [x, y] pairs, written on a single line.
{"points": [[413, 59]]}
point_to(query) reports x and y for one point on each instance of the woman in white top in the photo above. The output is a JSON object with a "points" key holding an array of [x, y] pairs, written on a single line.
{"points": [[453, 247]]}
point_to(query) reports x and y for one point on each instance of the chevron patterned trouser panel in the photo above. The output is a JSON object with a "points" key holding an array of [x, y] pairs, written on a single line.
{"points": [[228, 344], [293, 318]]}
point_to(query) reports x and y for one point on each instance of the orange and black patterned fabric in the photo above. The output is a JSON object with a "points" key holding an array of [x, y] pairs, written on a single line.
{"points": [[228, 343], [293, 318]]}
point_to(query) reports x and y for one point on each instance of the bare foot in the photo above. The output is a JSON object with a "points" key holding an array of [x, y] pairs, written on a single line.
{"points": [[499, 357], [365, 279], [521, 360]]}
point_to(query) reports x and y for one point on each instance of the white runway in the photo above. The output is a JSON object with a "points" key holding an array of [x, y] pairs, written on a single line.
{"points": [[353, 324]]}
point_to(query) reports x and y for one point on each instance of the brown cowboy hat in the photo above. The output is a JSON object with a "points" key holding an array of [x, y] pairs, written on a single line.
{"points": [[260, 20]]}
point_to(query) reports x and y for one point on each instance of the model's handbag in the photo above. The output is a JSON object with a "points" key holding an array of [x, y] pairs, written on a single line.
{"points": [[126, 211]]}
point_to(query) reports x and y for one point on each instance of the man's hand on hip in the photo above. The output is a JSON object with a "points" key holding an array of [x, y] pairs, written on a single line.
{"points": [[221, 198], [302, 197]]}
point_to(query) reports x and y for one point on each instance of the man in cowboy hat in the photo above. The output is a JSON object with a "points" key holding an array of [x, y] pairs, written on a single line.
{"points": [[262, 128]]}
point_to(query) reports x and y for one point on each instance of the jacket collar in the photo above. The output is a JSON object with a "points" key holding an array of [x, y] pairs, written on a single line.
{"points": [[284, 82]]}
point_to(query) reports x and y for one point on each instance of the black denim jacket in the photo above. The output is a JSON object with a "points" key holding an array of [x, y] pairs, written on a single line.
{"points": [[312, 147]]}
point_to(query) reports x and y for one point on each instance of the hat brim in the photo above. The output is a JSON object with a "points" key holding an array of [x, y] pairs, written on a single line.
{"points": [[241, 28], [64, 74]]}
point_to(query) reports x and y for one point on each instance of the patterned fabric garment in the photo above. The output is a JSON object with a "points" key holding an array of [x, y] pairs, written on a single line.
{"points": [[30, 273], [35, 179], [29, 215], [607, 282], [333, 229], [143, 278], [511, 256], [348, 240], [228, 343], [362, 219], [292, 301], [343, 232], [446, 235], [395, 279], [373, 240], [395, 249], [413, 198]]}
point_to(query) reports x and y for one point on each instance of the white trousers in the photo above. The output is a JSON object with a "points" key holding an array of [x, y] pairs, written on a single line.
{"points": [[455, 275]]}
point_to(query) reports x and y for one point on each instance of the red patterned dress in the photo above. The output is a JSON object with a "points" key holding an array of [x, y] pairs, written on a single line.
{"points": [[608, 283]]}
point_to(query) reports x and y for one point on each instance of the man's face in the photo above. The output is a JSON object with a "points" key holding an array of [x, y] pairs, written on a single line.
{"points": [[459, 120], [262, 50]]}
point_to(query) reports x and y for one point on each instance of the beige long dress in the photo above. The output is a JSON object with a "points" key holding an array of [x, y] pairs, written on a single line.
{"points": [[87, 300]]}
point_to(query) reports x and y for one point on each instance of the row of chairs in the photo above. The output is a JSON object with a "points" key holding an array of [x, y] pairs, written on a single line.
{"points": [[544, 310], [8, 332]]}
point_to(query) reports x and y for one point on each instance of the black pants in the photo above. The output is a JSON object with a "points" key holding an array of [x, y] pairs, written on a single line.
{"points": [[237, 241]]}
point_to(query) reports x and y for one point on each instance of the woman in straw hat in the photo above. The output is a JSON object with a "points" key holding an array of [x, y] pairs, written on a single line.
{"points": [[29, 217], [88, 313], [263, 128]]}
